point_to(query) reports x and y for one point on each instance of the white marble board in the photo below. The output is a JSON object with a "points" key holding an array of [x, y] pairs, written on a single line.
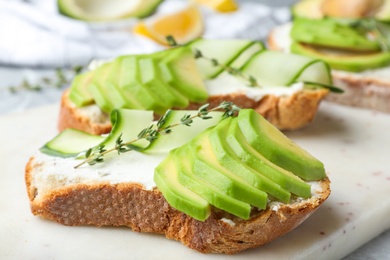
{"points": [[354, 145]]}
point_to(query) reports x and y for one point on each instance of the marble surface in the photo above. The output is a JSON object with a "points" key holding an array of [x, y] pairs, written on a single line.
{"points": [[349, 141]]}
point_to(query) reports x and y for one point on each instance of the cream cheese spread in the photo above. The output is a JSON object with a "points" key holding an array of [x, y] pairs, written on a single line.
{"points": [[55, 172], [227, 84], [316, 190]]}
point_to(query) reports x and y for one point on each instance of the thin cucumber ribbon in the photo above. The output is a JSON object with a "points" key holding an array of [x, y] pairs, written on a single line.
{"points": [[127, 124]]}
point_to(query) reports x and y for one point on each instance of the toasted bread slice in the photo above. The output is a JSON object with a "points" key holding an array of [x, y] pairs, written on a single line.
{"points": [[75, 199], [368, 89], [285, 112]]}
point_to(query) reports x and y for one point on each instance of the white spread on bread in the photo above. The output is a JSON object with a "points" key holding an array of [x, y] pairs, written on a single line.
{"points": [[281, 36], [55, 172], [227, 84], [94, 113], [316, 189], [128, 167]]}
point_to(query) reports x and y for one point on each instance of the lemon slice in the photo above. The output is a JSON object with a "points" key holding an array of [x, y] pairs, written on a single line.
{"points": [[107, 10], [184, 25], [219, 5]]}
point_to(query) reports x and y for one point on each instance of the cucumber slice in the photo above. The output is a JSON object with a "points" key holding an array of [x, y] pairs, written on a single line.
{"points": [[224, 51], [128, 123], [243, 58], [181, 134], [70, 142], [271, 68]]}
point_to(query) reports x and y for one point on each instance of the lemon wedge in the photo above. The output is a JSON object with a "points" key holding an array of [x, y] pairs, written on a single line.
{"points": [[107, 10], [184, 25], [219, 5]]}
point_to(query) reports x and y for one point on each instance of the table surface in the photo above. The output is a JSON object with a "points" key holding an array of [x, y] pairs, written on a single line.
{"points": [[17, 103], [27, 102]]}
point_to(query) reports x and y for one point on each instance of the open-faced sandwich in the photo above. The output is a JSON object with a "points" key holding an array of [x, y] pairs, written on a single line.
{"points": [[353, 37], [225, 184], [285, 88]]}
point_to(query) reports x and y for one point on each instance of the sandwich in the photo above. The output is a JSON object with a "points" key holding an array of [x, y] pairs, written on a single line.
{"points": [[352, 37], [217, 179], [285, 88]]}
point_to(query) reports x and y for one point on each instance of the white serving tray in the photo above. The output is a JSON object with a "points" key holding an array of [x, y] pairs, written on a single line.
{"points": [[354, 145]]}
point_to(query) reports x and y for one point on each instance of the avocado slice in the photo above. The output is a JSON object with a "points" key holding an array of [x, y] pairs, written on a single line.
{"points": [[184, 74], [229, 160], [205, 189], [332, 34], [152, 79], [104, 93], [107, 10], [206, 166], [111, 87], [113, 78], [348, 61], [129, 82], [78, 92], [166, 177], [278, 148], [251, 157]]}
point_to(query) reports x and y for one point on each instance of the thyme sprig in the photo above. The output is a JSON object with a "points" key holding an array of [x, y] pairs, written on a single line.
{"points": [[377, 29], [231, 70], [252, 82], [57, 81], [96, 155]]}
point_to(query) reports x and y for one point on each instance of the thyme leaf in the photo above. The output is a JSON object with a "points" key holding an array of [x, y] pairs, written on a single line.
{"points": [[57, 81], [96, 155], [376, 29], [252, 82]]}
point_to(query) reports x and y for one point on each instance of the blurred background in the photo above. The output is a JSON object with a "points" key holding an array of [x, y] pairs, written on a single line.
{"points": [[42, 46]]}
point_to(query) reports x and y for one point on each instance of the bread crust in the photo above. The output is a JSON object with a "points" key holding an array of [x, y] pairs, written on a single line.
{"points": [[129, 204], [285, 112], [368, 93], [71, 117], [359, 91]]}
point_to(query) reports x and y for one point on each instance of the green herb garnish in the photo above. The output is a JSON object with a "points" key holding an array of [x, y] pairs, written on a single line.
{"points": [[252, 82], [232, 71], [96, 155], [376, 29], [57, 81]]}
